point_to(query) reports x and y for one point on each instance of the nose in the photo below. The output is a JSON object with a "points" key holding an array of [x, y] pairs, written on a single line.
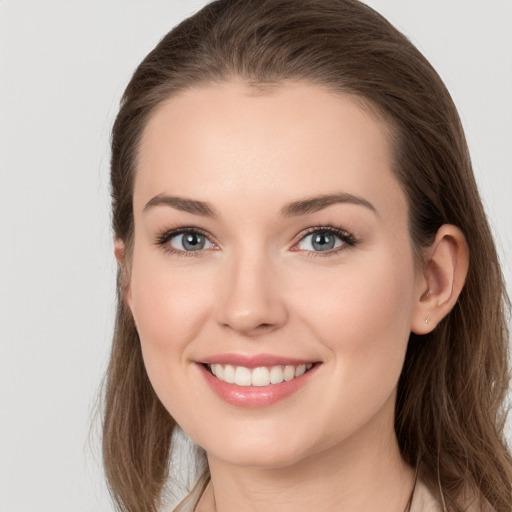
{"points": [[250, 299]]}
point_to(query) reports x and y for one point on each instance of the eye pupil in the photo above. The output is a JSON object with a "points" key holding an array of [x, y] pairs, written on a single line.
{"points": [[323, 241], [193, 241]]}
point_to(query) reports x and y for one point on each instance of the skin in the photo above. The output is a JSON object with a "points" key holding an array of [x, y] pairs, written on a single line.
{"points": [[259, 287]]}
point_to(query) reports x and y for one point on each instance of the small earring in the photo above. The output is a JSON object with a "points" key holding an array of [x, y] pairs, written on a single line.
{"points": [[427, 320]]}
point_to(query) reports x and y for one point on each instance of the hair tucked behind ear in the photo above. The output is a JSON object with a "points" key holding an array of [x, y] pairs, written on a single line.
{"points": [[450, 409]]}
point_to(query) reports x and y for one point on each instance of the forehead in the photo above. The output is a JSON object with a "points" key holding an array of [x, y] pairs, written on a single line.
{"points": [[231, 141]]}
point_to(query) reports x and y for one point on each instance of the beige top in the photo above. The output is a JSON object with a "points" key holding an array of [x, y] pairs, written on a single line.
{"points": [[423, 500]]}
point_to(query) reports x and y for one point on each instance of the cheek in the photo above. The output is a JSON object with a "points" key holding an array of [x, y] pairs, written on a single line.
{"points": [[374, 294], [376, 305], [166, 300], [169, 305], [363, 316]]}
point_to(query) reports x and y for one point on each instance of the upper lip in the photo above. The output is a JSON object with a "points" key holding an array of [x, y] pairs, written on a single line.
{"points": [[254, 361]]}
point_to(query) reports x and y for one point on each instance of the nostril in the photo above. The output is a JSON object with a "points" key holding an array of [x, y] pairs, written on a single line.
{"points": [[249, 329]]}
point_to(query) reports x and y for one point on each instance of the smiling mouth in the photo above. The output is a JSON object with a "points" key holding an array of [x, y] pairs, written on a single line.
{"points": [[259, 376]]}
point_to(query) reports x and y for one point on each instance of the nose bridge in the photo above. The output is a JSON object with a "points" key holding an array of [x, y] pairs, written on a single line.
{"points": [[250, 301]]}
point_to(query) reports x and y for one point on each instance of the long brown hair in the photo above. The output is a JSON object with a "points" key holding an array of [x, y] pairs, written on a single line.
{"points": [[450, 408]]}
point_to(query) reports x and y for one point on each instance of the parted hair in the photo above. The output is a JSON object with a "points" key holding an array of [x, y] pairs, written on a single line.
{"points": [[451, 402]]}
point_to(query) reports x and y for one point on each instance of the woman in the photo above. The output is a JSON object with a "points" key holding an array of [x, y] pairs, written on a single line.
{"points": [[308, 286]]}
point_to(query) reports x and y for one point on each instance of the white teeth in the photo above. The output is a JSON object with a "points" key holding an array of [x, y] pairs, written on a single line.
{"points": [[260, 376], [300, 370], [289, 373], [276, 375], [242, 376], [229, 374]]}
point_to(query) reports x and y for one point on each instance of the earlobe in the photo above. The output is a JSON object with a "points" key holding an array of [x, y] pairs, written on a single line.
{"points": [[119, 251], [445, 270], [124, 275]]}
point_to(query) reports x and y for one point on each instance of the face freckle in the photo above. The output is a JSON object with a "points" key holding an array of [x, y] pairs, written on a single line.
{"points": [[305, 258]]}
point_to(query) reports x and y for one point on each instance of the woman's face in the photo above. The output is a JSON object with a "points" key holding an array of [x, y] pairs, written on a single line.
{"points": [[272, 248]]}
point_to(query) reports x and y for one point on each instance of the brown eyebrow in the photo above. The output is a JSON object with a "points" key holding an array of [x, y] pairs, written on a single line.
{"points": [[314, 204], [183, 204], [294, 209]]}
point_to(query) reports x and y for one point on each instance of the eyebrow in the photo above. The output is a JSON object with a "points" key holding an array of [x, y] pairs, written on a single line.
{"points": [[294, 209], [315, 204], [183, 204]]}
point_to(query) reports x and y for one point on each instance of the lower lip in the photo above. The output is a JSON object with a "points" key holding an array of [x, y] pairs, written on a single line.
{"points": [[255, 396]]}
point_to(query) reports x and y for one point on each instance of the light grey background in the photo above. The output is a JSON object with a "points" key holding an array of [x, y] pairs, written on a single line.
{"points": [[63, 67]]}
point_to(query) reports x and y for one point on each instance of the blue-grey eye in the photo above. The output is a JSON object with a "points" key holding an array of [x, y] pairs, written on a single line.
{"points": [[190, 242], [319, 241]]}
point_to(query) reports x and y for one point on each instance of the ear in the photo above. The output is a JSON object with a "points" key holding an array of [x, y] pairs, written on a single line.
{"points": [[124, 274], [445, 270]]}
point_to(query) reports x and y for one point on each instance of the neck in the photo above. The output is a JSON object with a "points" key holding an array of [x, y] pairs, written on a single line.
{"points": [[363, 473]]}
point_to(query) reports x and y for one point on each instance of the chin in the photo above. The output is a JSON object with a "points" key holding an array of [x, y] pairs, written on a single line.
{"points": [[259, 457], [264, 450]]}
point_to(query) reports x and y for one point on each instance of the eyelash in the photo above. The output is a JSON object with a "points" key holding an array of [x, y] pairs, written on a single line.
{"points": [[348, 241]]}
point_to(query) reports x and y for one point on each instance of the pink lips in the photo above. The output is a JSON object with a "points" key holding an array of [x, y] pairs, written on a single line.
{"points": [[254, 396]]}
